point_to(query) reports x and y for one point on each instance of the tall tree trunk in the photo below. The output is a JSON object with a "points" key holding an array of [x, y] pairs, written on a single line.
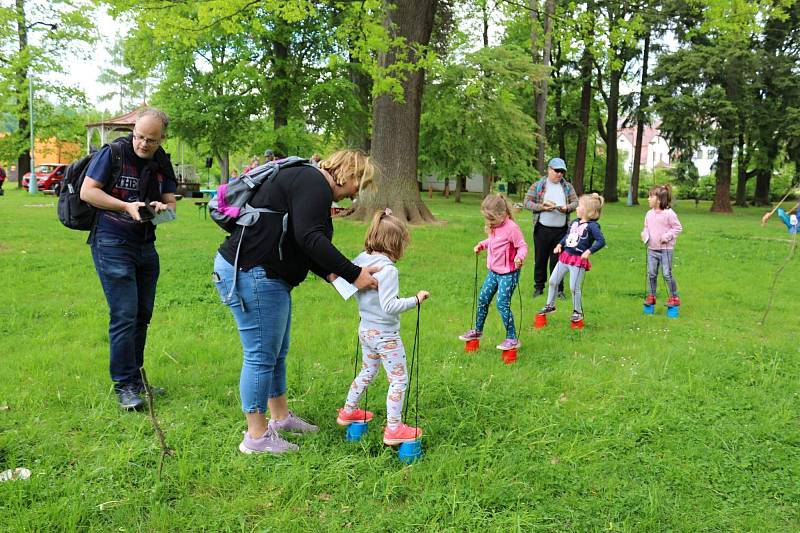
{"points": [[280, 102], [485, 15], [541, 94], [362, 86], [395, 125], [722, 197], [459, 188], [763, 178], [585, 114], [764, 174], [24, 157], [610, 192], [741, 170], [561, 134], [223, 160], [637, 151]]}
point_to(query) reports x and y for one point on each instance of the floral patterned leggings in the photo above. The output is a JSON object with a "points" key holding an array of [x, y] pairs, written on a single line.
{"points": [[503, 285], [381, 347]]}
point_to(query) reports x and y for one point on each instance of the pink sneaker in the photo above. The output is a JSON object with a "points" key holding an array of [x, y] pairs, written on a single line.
{"points": [[471, 335], [401, 434], [509, 344], [358, 415]]}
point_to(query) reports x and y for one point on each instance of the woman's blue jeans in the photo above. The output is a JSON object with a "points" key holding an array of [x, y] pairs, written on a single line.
{"points": [[129, 273], [264, 326]]}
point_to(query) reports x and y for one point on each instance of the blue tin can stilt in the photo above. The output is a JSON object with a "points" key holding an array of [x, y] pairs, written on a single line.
{"points": [[409, 452], [672, 312], [355, 431], [649, 309]]}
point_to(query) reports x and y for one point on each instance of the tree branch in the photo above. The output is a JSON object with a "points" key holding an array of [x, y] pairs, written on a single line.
{"points": [[165, 450]]}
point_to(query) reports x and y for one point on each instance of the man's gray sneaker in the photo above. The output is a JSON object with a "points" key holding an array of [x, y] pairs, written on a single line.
{"points": [[269, 442], [292, 424], [128, 396]]}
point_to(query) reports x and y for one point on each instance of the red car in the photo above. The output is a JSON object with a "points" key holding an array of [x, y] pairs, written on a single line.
{"points": [[47, 175]]}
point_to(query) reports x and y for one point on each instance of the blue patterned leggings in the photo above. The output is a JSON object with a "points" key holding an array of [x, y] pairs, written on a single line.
{"points": [[503, 285]]}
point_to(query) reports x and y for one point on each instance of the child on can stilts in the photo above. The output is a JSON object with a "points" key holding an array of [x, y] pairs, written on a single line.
{"points": [[379, 330], [661, 230], [506, 251], [584, 238]]}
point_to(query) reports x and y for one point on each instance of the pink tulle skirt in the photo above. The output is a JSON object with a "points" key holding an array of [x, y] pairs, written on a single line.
{"points": [[574, 260]]}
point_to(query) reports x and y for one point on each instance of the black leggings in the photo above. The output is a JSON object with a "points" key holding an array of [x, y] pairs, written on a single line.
{"points": [[545, 239]]}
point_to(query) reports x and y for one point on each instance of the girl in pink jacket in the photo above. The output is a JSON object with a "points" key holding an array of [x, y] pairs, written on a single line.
{"points": [[506, 250], [661, 229]]}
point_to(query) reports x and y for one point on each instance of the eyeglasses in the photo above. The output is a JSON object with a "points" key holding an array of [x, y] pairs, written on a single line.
{"points": [[142, 139]]}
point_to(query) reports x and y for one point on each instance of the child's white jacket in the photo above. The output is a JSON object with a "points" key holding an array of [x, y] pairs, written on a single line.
{"points": [[380, 308]]}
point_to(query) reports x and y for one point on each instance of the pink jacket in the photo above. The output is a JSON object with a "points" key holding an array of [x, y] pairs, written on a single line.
{"points": [[661, 229], [505, 244]]}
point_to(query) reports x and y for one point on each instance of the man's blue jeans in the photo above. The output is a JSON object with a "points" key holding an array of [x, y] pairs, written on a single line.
{"points": [[128, 273], [264, 326]]}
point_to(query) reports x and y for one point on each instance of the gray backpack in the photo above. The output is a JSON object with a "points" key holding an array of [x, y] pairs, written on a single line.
{"points": [[230, 207]]}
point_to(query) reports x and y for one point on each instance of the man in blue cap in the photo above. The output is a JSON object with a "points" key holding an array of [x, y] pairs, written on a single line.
{"points": [[551, 199]]}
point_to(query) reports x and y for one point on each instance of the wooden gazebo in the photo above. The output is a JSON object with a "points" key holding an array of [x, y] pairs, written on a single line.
{"points": [[121, 123]]}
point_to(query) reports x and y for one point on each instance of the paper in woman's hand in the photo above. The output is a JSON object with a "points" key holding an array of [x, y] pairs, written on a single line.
{"points": [[346, 290]]}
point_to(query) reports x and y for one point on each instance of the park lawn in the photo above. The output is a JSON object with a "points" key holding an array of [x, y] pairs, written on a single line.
{"points": [[636, 423]]}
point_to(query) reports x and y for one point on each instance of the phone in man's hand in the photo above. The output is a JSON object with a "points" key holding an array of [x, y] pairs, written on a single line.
{"points": [[146, 213]]}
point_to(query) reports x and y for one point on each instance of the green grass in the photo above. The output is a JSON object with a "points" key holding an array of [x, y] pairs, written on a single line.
{"points": [[637, 423]]}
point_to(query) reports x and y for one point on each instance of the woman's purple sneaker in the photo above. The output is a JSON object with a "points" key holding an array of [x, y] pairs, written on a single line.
{"points": [[293, 424], [269, 442]]}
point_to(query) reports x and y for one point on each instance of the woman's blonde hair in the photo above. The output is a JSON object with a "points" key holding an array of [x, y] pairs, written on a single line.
{"points": [[495, 209], [592, 205], [387, 235], [346, 164]]}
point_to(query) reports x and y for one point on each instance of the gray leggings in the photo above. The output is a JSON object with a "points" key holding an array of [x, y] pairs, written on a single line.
{"points": [[664, 259], [576, 275]]}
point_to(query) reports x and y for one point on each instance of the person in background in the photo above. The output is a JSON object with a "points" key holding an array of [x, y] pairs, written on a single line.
{"points": [[661, 230], [2, 179], [551, 199]]}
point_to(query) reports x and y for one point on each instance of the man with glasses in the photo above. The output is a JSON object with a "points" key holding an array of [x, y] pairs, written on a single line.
{"points": [[123, 241], [551, 199]]}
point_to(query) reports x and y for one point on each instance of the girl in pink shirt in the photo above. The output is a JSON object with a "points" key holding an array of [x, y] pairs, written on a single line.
{"points": [[506, 250], [661, 229]]}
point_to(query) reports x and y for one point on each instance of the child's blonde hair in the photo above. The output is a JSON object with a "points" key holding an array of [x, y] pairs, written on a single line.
{"points": [[495, 209], [387, 235], [592, 205], [663, 194]]}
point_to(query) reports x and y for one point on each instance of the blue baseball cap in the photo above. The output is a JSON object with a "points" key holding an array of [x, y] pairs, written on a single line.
{"points": [[557, 164]]}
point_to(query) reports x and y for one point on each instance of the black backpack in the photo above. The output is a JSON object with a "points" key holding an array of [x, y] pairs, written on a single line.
{"points": [[73, 212]]}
